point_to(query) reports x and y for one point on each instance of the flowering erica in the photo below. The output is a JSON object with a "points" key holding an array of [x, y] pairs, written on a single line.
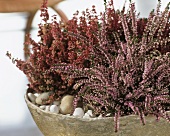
{"points": [[130, 66], [115, 63], [58, 44]]}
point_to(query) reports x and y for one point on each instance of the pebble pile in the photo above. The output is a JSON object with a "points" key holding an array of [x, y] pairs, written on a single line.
{"points": [[65, 106]]}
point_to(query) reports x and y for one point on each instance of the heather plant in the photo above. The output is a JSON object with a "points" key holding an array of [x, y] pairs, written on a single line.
{"points": [[129, 75], [59, 43], [115, 63], [114, 27]]}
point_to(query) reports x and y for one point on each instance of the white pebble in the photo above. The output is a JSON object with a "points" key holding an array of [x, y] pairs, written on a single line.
{"points": [[42, 107], [36, 94], [100, 116], [54, 109], [47, 108], [108, 115], [32, 97], [86, 115], [90, 113], [56, 103], [78, 112]]}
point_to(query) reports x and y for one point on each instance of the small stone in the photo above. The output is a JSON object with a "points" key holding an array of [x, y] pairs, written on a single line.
{"points": [[56, 103], [108, 115], [47, 108], [78, 112], [90, 113], [100, 116], [32, 97], [36, 94], [42, 107], [42, 97], [54, 109], [86, 115], [66, 106]]}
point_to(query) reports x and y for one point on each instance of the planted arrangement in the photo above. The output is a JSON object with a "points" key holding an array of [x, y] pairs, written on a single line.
{"points": [[109, 65]]}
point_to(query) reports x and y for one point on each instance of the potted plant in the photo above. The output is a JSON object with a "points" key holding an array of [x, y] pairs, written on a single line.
{"points": [[100, 74]]}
